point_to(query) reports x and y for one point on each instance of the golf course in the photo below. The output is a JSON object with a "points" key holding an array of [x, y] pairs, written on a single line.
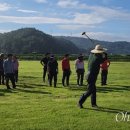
{"points": [[34, 105]]}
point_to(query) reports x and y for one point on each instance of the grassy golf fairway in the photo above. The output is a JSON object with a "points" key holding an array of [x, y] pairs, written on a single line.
{"points": [[36, 106]]}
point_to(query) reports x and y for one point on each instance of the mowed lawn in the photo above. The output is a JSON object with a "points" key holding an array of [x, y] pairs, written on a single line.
{"points": [[36, 106]]}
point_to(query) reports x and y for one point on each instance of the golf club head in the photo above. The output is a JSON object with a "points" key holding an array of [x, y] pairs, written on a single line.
{"points": [[83, 33]]}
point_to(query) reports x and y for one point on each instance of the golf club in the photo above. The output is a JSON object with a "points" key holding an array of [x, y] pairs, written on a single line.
{"points": [[84, 33]]}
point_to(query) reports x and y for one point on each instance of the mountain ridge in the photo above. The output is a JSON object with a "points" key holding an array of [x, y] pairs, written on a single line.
{"points": [[28, 40], [117, 47]]}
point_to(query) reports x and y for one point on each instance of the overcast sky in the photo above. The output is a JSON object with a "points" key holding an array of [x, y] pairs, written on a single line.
{"points": [[101, 19]]}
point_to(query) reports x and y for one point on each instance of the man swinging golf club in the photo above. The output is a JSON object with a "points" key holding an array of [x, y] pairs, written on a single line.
{"points": [[95, 59]]}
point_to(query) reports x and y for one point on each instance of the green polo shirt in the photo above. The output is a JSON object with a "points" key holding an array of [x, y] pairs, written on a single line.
{"points": [[94, 62]]}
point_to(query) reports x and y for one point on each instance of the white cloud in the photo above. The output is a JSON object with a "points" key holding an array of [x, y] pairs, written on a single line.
{"points": [[96, 14], [92, 18], [41, 1], [71, 4], [27, 11], [109, 13], [74, 27], [32, 20], [101, 15], [4, 6], [83, 19], [5, 30], [67, 3]]}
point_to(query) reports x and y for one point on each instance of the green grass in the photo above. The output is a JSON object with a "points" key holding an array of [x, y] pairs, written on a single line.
{"points": [[36, 106]]}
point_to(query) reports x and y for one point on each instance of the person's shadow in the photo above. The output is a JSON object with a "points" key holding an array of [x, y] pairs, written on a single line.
{"points": [[109, 110], [3, 92]]}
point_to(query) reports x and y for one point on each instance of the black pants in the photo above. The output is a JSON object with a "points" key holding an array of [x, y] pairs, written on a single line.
{"points": [[10, 76], [66, 75], [2, 77], [80, 76], [104, 77], [16, 75], [44, 73], [51, 77], [91, 91]]}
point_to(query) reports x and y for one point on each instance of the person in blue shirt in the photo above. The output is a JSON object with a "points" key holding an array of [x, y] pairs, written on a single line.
{"points": [[8, 66]]}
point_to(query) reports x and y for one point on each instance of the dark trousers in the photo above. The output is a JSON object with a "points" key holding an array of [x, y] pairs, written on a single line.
{"points": [[80, 76], [66, 76], [16, 75], [104, 77], [2, 77], [91, 91], [10, 76], [51, 77], [44, 73]]}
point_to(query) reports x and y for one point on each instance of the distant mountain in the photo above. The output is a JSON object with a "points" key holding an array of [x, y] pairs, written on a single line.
{"points": [[120, 47], [28, 40]]}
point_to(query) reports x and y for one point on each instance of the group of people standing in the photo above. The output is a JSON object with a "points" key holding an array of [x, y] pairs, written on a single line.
{"points": [[8, 70], [50, 68], [97, 59]]}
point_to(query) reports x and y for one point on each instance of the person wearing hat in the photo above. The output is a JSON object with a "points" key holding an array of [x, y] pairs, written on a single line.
{"points": [[79, 66], [52, 68], [95, 59], [1, 69], [66, 70], [9, 71], [44, 62]]}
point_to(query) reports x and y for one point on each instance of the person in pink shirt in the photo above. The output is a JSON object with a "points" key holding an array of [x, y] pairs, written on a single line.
{"points": [[16, 66]]}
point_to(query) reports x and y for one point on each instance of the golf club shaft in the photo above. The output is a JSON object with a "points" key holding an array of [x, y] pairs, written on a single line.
{"points": [[89, 38]]}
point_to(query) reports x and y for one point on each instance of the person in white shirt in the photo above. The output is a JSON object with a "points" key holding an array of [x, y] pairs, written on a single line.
{"points": [[79, 66]]}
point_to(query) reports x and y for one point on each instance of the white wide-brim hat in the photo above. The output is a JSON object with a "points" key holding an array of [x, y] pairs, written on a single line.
{"points": [[98, 49]]}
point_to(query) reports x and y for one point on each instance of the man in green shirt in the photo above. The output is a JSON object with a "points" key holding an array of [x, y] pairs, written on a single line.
{"points": [[95, 59]]}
